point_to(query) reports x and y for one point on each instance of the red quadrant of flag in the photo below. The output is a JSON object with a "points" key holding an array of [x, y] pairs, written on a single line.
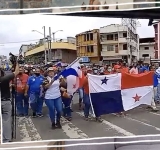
{"points": [[133, 81]]}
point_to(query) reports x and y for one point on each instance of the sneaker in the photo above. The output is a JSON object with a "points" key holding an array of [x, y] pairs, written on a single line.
{"points": [[26, 116], [86, 118], [69, 118], [20, 115], [53, 126], [39, 115], [155, 110], [58, 125], [99, 119], [34, 115]]}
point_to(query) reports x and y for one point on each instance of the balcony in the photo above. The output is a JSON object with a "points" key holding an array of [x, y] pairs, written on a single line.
{"points": [[109, 41], [112, 53], [122, 40]]}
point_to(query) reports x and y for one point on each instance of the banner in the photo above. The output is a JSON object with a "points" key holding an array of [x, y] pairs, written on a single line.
{"points": [[72, 5]]}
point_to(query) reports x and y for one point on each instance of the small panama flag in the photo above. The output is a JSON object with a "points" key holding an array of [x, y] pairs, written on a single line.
{"points": [[119, 92]]}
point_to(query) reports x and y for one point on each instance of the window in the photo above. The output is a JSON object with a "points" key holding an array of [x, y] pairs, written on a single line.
{"points": [[125, 34], [90, 49], [87, 37], [91, 36], [116, 48], [110, 37], [145, 55], [116, 37], [146, 48], [84, 37], [110, 48], [125, 47]]}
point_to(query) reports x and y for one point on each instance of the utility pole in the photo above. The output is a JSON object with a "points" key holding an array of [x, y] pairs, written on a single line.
{"points": [[21, 6], [53, 36], [44, 42], [131, 25], [50, 44]]}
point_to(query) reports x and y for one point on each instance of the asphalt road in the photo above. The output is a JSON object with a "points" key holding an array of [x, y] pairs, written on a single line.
{"points": [[140, 121]]}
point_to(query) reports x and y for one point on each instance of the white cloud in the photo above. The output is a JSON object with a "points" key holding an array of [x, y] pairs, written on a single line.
{"points": [[19, 28]]}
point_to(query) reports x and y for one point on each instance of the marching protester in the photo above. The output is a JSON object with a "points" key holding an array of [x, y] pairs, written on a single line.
{"points": [[86, 100], [6, 106], [53, 98], [19, 84], [33, 90], [81, 90]]}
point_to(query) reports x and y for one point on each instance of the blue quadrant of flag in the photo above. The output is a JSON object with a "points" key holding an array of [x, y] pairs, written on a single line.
{"points": [[107, 102]]}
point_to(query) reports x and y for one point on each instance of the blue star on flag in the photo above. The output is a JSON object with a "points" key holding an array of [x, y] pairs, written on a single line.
{"points": [[104, 81]]}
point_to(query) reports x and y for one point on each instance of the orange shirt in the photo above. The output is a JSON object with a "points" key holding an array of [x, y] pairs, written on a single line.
{"points": [[81, 80], [86, 86], [125, 69], [21, 81]]}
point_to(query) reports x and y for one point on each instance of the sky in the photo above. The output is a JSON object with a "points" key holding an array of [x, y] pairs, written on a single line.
{"points": [[16, 30]]}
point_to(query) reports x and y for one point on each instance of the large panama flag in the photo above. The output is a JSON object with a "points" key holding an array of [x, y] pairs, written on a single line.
{"points": [[120, 92]]}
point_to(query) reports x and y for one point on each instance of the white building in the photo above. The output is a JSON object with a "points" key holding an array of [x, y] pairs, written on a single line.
{"points": [[146, 49], [24, 48], [119, 42]]}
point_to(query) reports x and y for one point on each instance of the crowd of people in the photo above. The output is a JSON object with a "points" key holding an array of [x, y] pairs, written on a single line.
{"points": [[35, 86]]}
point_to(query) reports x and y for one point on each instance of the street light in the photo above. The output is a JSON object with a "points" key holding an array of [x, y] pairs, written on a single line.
{"points": [[44, 42], [55, 33], [37, 31], [44, 33]]}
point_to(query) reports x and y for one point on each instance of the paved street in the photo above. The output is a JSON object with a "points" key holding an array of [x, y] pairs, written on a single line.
{"points": [[140, 121]]}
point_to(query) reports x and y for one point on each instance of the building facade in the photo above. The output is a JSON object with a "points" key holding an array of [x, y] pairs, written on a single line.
{"points": [[146, 49], [157, 40], [60, 51], [88, 45], [119, 43], [15, 4], [23, 49]]}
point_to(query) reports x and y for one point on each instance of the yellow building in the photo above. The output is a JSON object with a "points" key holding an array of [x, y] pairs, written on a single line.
{"points": [[88, 45], [60, 51]]}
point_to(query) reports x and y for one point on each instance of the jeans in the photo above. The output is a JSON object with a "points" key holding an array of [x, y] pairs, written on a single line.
{"points": [[22, 104], [6, 109], [36, 103], [157, 92], [81, 93], [67, 107], [87, 105], [55, 108]]}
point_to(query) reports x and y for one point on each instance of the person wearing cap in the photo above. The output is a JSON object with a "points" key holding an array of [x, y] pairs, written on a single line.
{"points": [[33, 90], [86, 99], [53, 97]]}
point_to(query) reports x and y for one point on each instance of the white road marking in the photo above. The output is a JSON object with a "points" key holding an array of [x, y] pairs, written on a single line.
{"points": [[118, 129], [146, 124], [154, 113], [71, 130], [23, 130], [32, 130], [28, 131]]}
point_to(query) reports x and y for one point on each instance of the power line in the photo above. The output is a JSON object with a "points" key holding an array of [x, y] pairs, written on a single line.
{"points": [[19, 41]]}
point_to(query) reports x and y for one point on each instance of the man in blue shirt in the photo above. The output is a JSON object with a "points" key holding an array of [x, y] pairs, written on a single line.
{"points": [[34, 91]]}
